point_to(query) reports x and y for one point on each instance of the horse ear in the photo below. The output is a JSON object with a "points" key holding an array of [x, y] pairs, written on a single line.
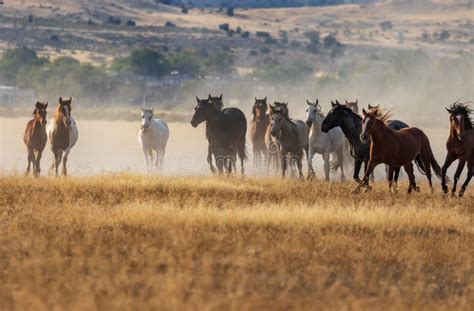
{"points": [[364, 113], [357, 101], [256, 99], [308, 103], [46, 105], [317, 105], [197, 98], [347, 103], [209, 96], [317, 101], [38, 104], [332, 104], [337, 102], [60, 100], [151, 110], [265, 99], [220, 97], [370, 106], [448, 110]]}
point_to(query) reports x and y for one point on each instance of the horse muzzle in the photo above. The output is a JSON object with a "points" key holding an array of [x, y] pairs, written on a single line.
{"points": [[461, 136], [309, 123]]}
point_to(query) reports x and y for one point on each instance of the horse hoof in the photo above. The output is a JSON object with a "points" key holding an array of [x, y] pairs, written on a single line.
{"points": [[417, 189], [453, 194], [461, 193]]}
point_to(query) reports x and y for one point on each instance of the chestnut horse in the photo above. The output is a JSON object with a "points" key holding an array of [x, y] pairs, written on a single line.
{"points": [[258, 127], [395, 148], [35, 137], [62, 133], [460, 145]]}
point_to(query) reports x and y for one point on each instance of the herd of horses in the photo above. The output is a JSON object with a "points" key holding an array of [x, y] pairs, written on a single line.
{"points": [[282, 142]]}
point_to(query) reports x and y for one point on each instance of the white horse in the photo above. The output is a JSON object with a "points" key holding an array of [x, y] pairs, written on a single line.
{"points": [[325, 144], [62, 134], [153, 136]]}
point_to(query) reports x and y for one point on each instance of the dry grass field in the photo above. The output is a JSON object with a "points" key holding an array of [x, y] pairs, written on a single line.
{"points": [[147, 242]]}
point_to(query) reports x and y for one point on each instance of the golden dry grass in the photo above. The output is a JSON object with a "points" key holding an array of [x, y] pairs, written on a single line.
{"points": [[123, 241]]}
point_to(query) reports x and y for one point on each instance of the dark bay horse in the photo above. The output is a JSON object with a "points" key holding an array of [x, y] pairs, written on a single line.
{"points": [[258, 127], [395, 148], [351, 125], [225, 130], [460, 145], [293, 138], [35, 137]]}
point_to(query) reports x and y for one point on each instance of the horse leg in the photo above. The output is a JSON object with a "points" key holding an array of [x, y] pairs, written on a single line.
{"points": [[299, 163], [450, 158], [470, 167], [209, 159], [357, 166], [57, 162], [411, 176], [365, 181], [326, 165], [31, 158], [391, 170], [457, 174], [395, 184], [65, 157], [427, 165], [311, 173], [39, 154], [340, 153], [284, 164]]}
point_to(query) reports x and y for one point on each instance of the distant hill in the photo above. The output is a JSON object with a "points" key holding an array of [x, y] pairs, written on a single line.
{"points": [[260, 3]]}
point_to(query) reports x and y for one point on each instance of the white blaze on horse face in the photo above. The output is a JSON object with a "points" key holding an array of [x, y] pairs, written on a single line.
{"points": [[66, 113], [364, 124], [146, 118]]}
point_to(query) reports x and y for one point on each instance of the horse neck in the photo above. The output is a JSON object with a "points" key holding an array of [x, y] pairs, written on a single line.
{"points": [[380, 132], [215, 118], [316, 126], [351, 127]]}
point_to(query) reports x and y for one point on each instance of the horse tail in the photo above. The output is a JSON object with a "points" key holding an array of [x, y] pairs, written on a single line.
{"points": [[338, 160], [431, 159], [420, 165]]}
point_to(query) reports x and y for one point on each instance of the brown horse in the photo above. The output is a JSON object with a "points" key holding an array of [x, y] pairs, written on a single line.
{"points": [[258, 127], [272, 143], [460, 145], [62, 133], [35, 137], [395, 148]]}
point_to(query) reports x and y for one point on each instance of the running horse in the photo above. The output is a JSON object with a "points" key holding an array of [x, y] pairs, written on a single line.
{"points": [[62, 133], [395, 148], [225, 131], [460, 146], [35, 137], [293, 138], [258, 126]]}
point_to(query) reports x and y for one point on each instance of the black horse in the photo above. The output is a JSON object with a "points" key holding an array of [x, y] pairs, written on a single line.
{"points": [[351, 125], [225, 130]]}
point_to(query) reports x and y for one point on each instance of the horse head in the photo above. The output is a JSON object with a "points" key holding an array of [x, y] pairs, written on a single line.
{"points": [[260, 108], [146, 117], [63, 111], [315, 114], [278, 114], [202, 111], [460, 119], [216, 101], [40, 112]]}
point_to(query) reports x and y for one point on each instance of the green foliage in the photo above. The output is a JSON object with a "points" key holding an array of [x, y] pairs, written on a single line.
{"points": [[14, 60], [144, 62]]}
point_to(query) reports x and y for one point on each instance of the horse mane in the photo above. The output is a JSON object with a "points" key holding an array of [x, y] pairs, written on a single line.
{"points": [[463, 109], [381, 115], [346, 108], [57, 113]]}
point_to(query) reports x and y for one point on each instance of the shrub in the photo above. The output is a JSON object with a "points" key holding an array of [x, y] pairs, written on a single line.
{"points": [[386, 25], [263, 34], [131, 23], [170, 24], [313, 36], [245, 34], [230, 11], [225, 27]]}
